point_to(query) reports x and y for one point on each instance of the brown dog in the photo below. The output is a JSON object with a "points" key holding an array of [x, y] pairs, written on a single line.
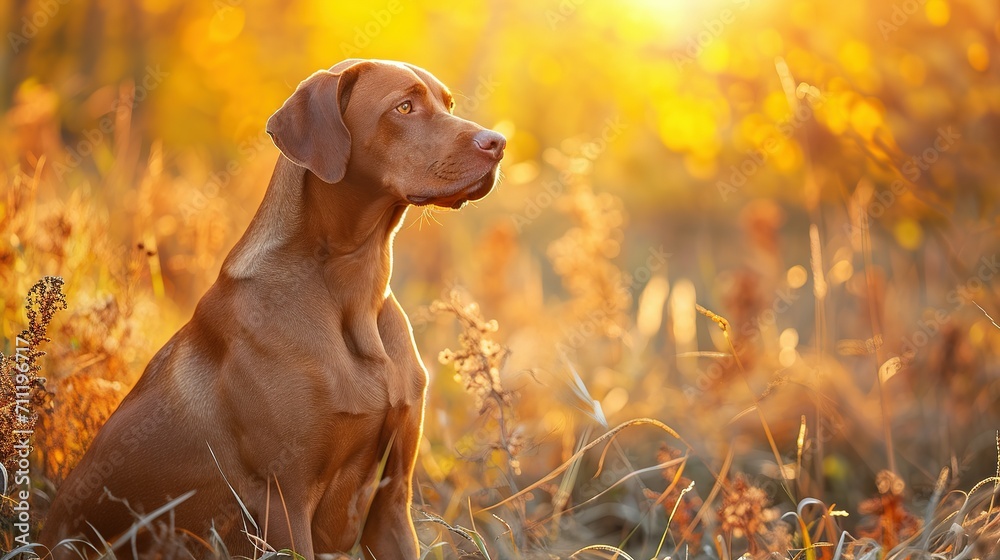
{"points": [[297, 384]]}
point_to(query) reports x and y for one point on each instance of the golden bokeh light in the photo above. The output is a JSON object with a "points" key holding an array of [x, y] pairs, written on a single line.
{"points": [[771, 226]]}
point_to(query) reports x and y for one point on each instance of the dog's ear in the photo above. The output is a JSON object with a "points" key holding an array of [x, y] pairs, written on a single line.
{"points": [[309, 128]]}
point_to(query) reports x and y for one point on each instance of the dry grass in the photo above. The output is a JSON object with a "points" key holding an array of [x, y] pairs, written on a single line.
{"points": [[525, 478], [521, 480], [635, 373]]}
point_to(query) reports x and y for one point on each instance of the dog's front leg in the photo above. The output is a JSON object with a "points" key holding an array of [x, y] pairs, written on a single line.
{"points": [[389, 532], [289, 529]]}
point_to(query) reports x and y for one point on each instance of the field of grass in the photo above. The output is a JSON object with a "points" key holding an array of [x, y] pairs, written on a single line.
{"points": [[737, 293]]}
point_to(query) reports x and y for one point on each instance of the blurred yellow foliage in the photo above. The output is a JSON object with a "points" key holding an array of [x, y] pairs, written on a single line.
{"points": [[821, 174]]}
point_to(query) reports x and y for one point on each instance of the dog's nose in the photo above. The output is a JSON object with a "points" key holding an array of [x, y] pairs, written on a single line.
{"points": [[490, 142]]}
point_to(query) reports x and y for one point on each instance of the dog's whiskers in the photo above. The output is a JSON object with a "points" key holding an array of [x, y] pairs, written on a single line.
{"points": [[429, 213]]}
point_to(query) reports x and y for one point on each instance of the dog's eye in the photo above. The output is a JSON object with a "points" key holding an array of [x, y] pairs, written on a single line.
{"points": [[405, 107]]}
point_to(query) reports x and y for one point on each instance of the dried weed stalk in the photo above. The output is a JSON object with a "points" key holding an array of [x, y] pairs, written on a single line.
{"points": [[478, 364], [22, 389]]}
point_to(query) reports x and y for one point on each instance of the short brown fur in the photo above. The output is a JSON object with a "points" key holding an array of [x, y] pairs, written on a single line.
{"points": [[298, 368]]}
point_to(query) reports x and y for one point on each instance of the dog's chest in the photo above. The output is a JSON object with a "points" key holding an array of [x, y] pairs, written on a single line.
{"points": [[369, 386], [375, 377]]}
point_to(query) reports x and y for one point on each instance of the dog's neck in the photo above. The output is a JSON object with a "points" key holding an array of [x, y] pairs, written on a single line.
{"points": [[350, 230], [335, 241], [340, 232]]}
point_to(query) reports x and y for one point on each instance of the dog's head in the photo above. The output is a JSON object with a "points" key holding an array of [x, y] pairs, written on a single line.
{"points": [[375, 122]]}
